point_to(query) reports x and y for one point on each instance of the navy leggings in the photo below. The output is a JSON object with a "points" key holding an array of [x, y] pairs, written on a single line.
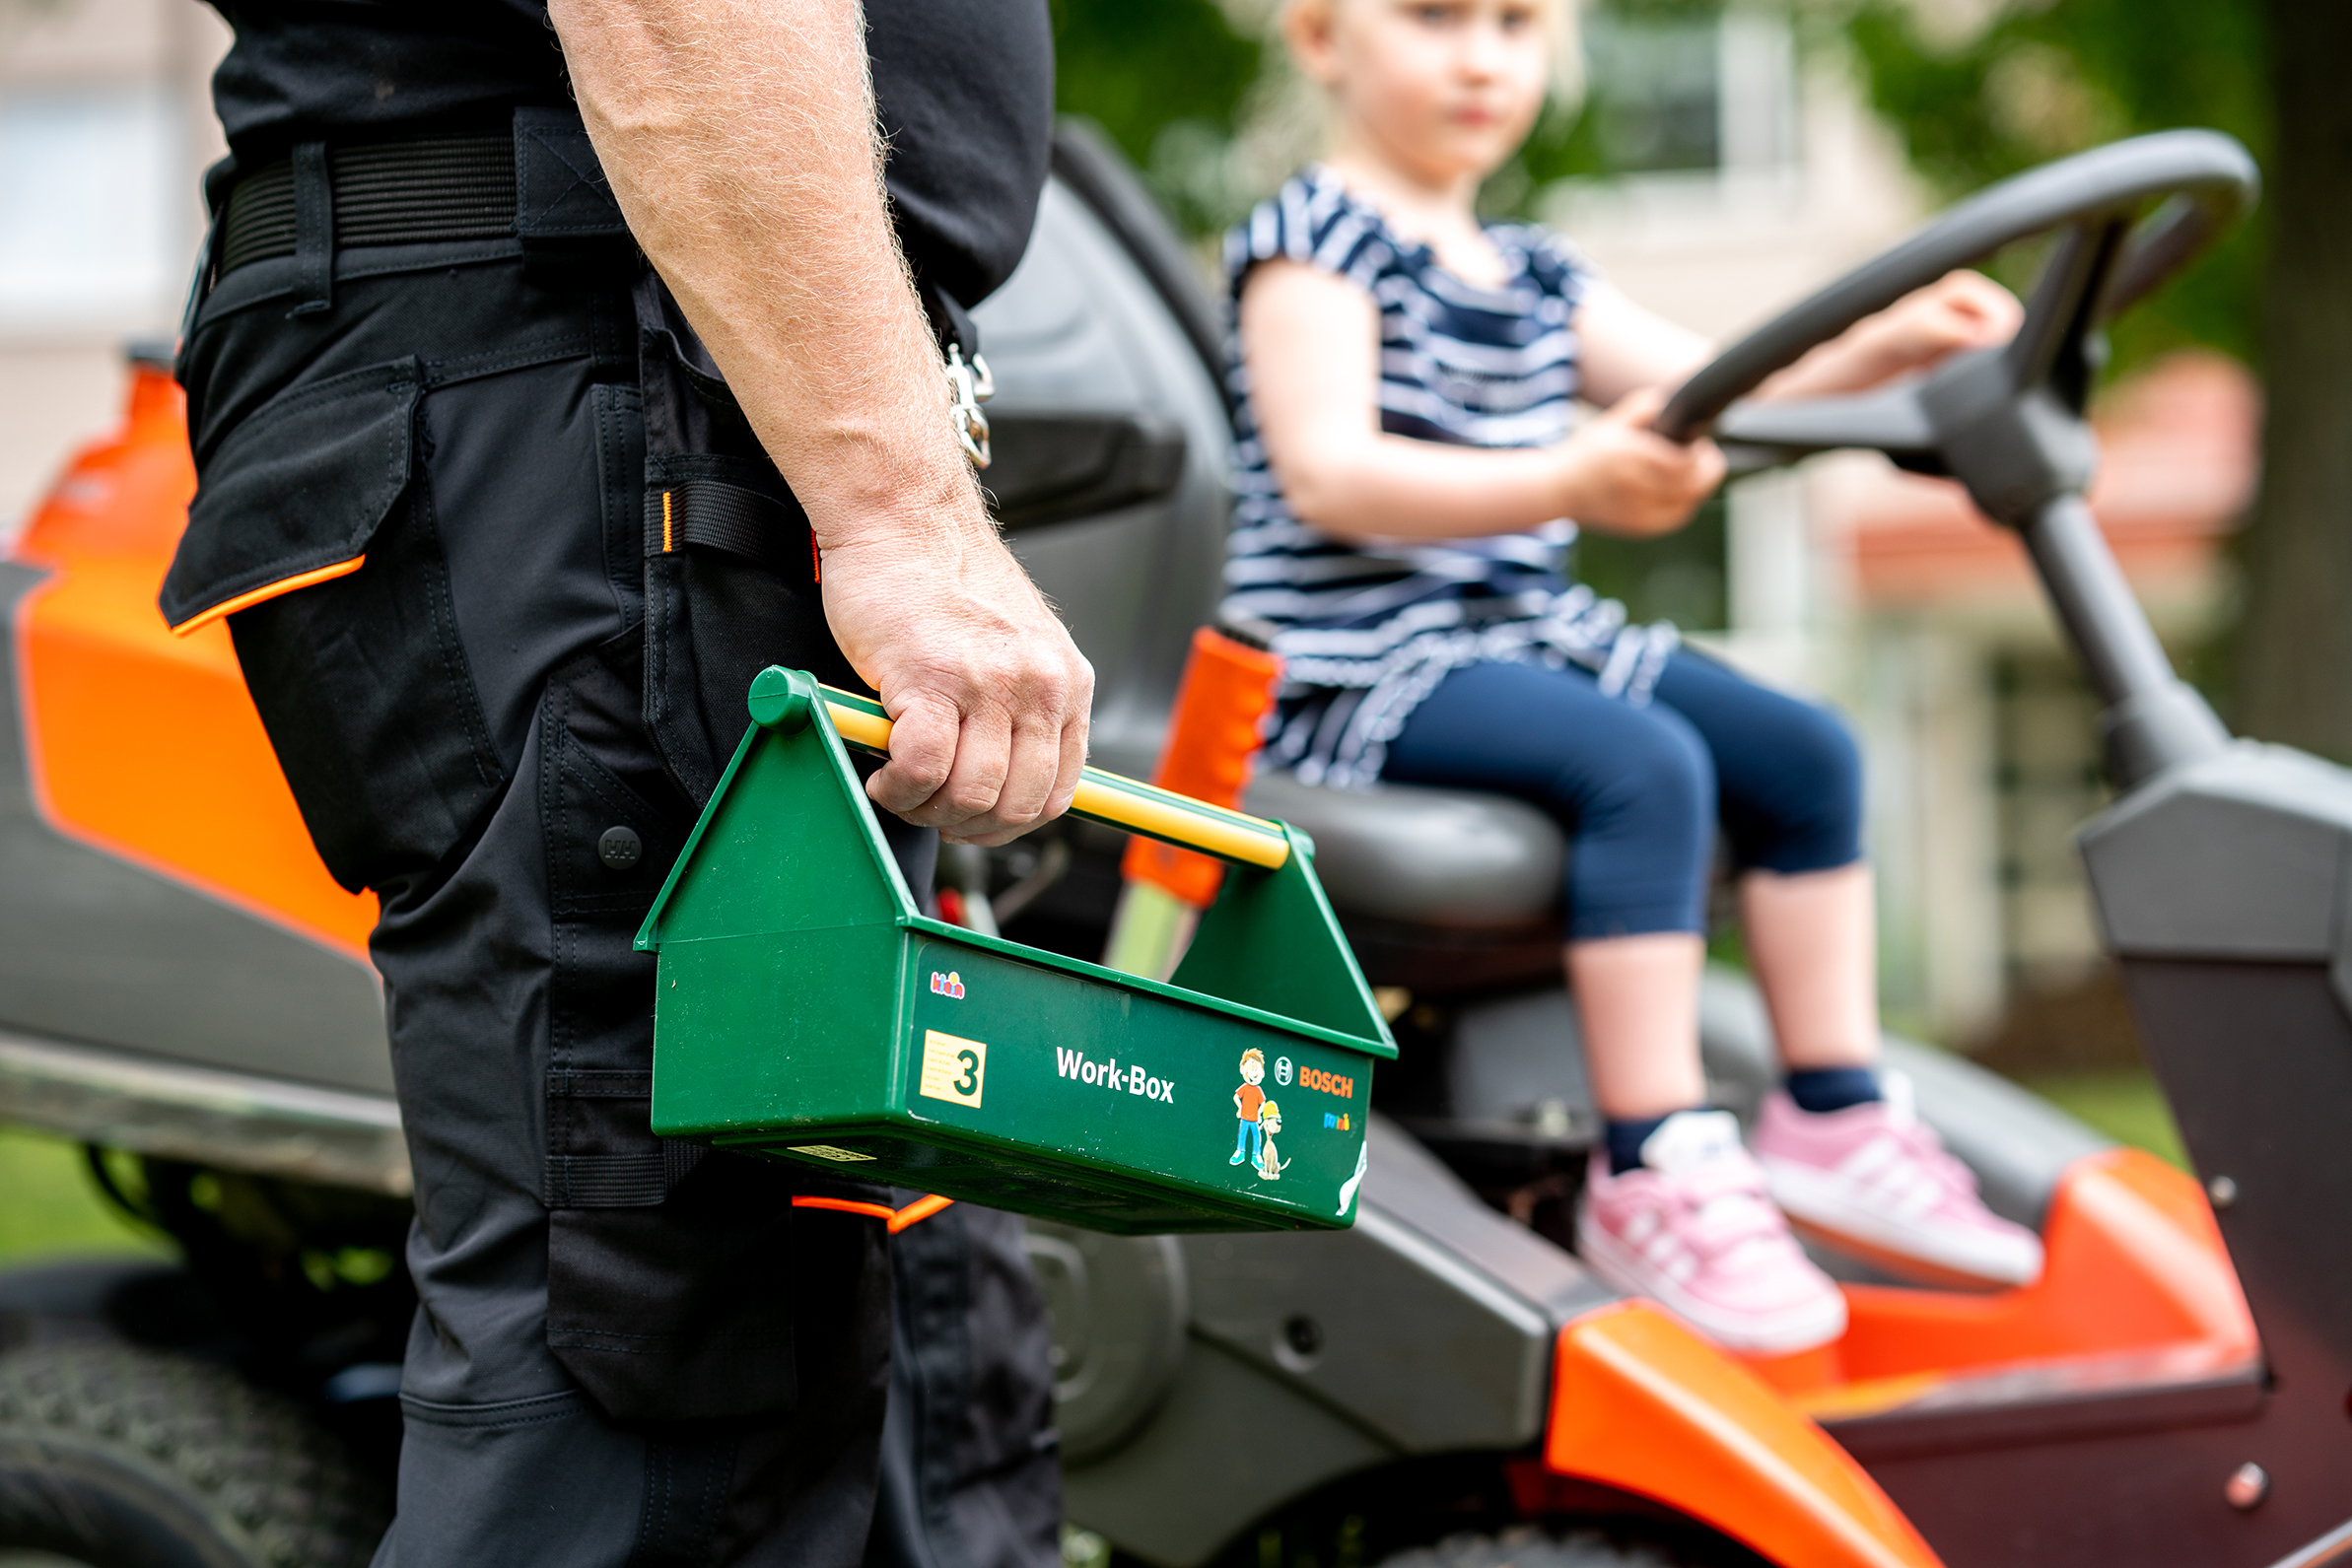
{"points": [[1640, 790]]}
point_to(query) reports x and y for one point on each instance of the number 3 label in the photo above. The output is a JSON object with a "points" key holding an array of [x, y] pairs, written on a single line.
{"points": [[954, 1069]]}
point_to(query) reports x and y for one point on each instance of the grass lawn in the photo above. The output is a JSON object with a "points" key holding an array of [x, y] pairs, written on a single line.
{"points": [[2122, 1102], [50, 1207]]}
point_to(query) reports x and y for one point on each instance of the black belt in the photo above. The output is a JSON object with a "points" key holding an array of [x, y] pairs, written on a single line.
{"points": [[452, 187], [432, 189]]}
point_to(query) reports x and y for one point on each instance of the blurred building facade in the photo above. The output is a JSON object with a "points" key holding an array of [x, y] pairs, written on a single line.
{"points": [[105, 126], [1883, 593]]}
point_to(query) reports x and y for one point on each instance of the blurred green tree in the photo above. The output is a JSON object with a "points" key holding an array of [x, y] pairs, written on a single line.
{"points": [[1977, 90], [2041, 81], [2294, 649], [1172, 80], [1166, 79]]}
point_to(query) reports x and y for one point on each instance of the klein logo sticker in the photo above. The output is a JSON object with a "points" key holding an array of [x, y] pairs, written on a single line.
{"points": [[827, 1151], [1333, 1120], [949, 985], [954, 1069]]}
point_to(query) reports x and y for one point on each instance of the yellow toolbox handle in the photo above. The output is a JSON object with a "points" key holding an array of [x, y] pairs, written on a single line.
{"points": [[1107, 797]]}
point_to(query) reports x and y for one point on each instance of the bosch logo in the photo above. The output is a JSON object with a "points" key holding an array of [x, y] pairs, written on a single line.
{"points": [[1326, 1082], [1281, 1071]]}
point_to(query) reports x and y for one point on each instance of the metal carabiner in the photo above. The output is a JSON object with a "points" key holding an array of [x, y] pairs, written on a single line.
{"points": [[968, 387]]}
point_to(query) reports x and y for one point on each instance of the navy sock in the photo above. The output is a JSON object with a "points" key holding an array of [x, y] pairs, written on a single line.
{"points": [[1624, 1139], [1819, 1089]]}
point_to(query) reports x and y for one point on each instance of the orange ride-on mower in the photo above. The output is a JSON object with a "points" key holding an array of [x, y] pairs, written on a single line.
{"points": [[183, 989]]}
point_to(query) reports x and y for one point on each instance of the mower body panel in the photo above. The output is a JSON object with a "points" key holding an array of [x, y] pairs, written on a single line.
{"points": [[177, 972], [178, 975]]}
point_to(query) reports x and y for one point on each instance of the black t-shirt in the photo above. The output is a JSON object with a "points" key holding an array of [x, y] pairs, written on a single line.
{"points": [[965, 90]]}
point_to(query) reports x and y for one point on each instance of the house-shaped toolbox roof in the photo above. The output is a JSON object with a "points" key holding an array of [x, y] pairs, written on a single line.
{"points": [[810, 1011]]}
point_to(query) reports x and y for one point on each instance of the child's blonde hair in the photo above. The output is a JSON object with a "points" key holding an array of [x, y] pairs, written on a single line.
{"points": [[1559, 26]]}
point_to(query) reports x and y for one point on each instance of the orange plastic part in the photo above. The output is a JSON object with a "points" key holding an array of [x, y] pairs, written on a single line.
{"points": [[142, 744], [1643, 1404], [2135, 1276], [1227, 692], [897, 1219]]}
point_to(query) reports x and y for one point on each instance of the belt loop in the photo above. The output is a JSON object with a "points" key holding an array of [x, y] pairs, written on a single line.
{"points": [[218, 180], [314, 230]]}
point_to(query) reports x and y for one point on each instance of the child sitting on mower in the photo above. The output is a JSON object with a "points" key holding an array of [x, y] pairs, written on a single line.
{"points": [[1406, 376]]}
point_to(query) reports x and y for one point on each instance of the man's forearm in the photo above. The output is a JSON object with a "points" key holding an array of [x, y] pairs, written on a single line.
{"points": [[740, 138]]}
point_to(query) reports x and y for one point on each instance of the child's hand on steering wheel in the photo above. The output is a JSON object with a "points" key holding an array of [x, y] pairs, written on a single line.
{"points": [[1960, 310], [1622, 477]]}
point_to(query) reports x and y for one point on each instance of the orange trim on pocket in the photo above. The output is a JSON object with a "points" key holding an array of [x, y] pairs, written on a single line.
{"points": [[898, 1219], [666, 546], [268, 591]]}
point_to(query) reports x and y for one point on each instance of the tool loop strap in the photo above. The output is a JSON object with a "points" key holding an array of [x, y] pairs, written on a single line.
{"points": [[713, 514]]}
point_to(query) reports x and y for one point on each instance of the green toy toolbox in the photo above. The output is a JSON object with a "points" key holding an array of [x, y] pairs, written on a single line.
{"points": [[807, 1010]]}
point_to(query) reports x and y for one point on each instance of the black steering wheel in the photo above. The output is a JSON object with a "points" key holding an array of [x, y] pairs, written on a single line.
{"points": [[2006, 422]]}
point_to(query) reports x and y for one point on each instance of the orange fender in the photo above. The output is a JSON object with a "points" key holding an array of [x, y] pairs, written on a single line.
{"points": [[1642, 1403], [2135, 1262], [2136, 1286], [145, 745]]}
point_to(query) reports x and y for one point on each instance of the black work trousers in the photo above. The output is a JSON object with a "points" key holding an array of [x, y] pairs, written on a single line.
{"points": [[500, 674]]}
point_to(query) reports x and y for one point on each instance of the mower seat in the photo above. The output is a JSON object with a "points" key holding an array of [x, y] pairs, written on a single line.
{"points": [[1439, 890]]}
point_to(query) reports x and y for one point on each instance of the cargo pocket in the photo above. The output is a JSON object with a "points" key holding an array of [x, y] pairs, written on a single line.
{"points": [[311, 534], [294, 494], [682, 1310], [668, 1291]]}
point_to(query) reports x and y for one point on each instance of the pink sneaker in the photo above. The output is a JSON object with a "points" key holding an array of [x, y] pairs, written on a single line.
{"points": [[1874, 1179], [1692, 1230]]}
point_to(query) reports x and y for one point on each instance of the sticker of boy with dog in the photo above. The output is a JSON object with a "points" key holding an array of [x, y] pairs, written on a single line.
{"points": [[1270, 1122], [1249, 1102]]}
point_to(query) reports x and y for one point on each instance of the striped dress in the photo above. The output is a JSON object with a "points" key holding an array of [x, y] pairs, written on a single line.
{"points": [[1367, 631]]}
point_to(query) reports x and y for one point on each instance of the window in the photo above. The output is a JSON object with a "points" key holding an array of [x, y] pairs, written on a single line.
{"points": [[94, 238], [1678, 94], [2047, 783]]}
